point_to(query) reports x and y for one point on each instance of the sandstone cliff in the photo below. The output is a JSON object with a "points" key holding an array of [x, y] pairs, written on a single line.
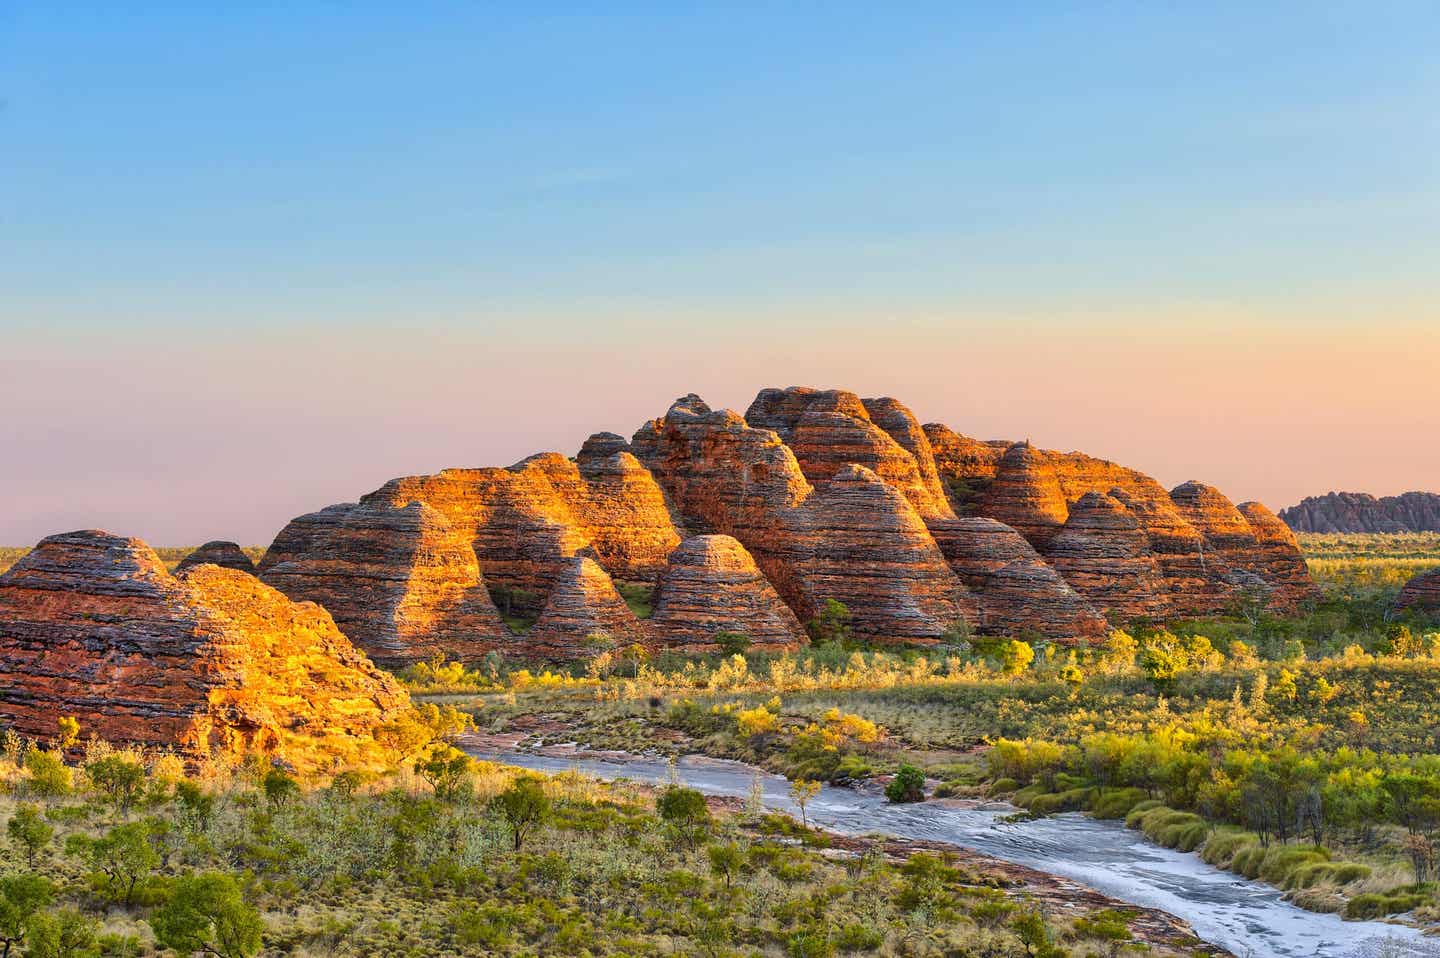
{"points": [[853, 537], [1361, 512], [915, 529], [211, 660]]}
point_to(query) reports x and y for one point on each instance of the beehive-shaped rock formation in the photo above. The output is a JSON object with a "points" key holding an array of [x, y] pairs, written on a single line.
{"points": [[93, 626], [712, 585], [1104, 555], [854, 538], [583, 615], [227, 555], [834, 497], [1421, 592]]}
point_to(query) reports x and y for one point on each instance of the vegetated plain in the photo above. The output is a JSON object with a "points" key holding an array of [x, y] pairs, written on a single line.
{"points": [[1302, 751]]}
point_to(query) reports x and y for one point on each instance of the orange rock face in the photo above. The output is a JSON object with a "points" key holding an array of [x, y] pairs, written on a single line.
{"points": [[1279, 560], [1026, 495], [407, 571], [1104, 555], [832, 496], [212, 660], [400, 582], [583, 614], [1028, 595], [830, 429], [227, 555], [713, 585], [1203, 548], [853, 538]]}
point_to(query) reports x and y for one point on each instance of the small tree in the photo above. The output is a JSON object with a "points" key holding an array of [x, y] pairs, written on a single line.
{"points": [[30, 831], [726, 861], [1015, 657], [446, 769], [831, 623], [117, 777], [196, 805], [279, 788], [684, 809], [524, 806], [69, 732], [908, 785], [61, 934], [120, 860], [21, 898], [207, 913], [802, 791], [50, 777]]}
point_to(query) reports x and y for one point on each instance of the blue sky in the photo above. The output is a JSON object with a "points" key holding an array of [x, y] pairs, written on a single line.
{"points": [[339, 162], [797, 181]]}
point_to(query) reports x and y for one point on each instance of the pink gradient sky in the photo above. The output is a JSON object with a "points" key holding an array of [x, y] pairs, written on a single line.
{"points": [[182, 435]]}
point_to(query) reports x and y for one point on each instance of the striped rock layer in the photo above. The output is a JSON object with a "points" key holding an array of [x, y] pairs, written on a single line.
{"points": [[916, 529], [210, 660], [1422, 593], [227, 555]]}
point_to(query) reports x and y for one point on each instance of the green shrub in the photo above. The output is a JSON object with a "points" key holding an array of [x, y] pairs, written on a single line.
{"points": [[1117, 802], [1072, 800], [908, 785], [1003, 786], [1380, 904], [1225, 843], [1282, 862], [1132, 818]]}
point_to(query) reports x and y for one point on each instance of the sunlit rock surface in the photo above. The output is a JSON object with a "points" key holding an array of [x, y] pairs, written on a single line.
{"points": [[210, 660]]}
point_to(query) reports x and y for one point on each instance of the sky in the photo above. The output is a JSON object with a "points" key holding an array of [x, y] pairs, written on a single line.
{"points": [[256, 261]]}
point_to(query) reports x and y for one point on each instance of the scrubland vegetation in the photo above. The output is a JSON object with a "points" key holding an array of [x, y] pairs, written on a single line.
{"points": [[1302, 751], [120, 853]]}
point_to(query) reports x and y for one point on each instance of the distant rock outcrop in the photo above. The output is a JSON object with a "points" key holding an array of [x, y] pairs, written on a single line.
{"points": [[1362, 512], [915, 529], [227, 555], [212, 660], [712, 585]]}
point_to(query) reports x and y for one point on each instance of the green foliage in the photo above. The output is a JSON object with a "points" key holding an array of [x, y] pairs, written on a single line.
{"points": [[732, 643], [66, 933], [121, 860], [446, 768], [50, 777], [29, 830], [831, 624], [118, 777], [279, 787], [685, 811], [524, 806], [1015, 657], [207, 913], [639, 596], [908, 785], [21, 898]]}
